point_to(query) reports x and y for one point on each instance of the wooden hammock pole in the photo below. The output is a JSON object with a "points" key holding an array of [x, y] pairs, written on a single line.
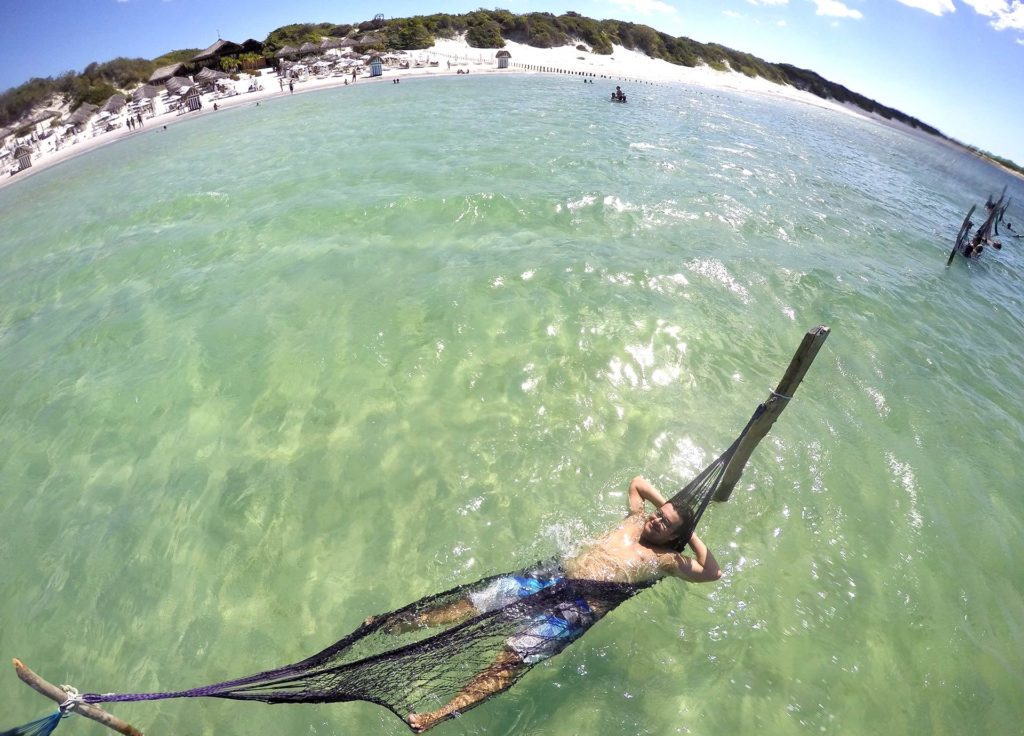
{"points": [[773, 407], [59, 694]]}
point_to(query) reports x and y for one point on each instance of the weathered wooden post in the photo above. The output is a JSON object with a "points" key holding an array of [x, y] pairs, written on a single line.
{"points": [[772, 408], [59, 694]]}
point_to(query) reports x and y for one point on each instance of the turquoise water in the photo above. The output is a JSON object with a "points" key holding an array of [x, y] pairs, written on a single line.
{"points": [[272, 370]]}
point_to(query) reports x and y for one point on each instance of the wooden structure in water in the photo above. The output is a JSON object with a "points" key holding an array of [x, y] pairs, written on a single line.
{"points": [[772, 407]]}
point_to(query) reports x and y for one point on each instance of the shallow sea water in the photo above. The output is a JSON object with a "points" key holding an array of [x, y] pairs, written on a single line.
{"points": [[272, 370]]}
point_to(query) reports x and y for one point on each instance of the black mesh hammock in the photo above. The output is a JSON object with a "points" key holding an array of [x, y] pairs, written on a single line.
{"points": [[423, 659], [410, 668]]}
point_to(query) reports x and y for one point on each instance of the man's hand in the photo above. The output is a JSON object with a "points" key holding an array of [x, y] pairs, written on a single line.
{"points": [[701, 568], [641, 490]]}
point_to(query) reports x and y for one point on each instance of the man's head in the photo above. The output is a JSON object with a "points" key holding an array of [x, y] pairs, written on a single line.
{"points": [[669, 526]]}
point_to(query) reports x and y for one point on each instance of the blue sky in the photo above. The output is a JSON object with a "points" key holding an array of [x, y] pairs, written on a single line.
{"points": [[955, 64]]}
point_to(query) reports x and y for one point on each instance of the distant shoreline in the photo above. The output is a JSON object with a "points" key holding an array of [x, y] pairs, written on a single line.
{"points": [[453, 56]]}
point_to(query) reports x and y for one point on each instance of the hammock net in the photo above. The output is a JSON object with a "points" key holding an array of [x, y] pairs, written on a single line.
{"points": [[418, 658]]}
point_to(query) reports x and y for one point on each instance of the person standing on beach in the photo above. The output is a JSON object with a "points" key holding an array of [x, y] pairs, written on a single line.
{"points": [[280, 81], [291, 87]]}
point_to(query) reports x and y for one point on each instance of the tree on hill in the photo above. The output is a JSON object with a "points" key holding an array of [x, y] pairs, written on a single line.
{"points": [[484, 33], [408, 33], [16, 103]]}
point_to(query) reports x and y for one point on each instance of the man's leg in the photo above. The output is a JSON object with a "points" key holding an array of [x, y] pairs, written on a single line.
{"points": [[453, 612], [497, 677]]}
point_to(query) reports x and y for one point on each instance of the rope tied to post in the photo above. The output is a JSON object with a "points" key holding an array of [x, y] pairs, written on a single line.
{"points": [[72, 701]]}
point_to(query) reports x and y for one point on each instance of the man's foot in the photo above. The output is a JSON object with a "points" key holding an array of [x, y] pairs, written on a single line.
{"points": [[420, 722]]}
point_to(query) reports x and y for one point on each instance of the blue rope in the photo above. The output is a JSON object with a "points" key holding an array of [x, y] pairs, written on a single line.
{"points": [[41, 727]]}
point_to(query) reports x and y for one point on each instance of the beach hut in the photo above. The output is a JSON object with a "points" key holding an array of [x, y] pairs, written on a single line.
{"points": [[23, 154], [192, 100], [215, 52], [252, 46], [503, 56], [166, 72], [376, 66]]}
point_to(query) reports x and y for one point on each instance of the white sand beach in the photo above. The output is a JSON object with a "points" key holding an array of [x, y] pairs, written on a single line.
{"points": [[446, 57]]}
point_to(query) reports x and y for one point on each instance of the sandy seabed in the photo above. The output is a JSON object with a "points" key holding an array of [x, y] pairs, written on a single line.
{"points": [[453, 57]]}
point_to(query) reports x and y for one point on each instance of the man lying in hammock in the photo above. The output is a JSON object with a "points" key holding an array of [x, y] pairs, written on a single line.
{"points": [[642, 548]]}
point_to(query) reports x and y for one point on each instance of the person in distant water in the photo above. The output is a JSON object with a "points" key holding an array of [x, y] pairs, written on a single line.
{"points": [[618, 95], [642, 548]]}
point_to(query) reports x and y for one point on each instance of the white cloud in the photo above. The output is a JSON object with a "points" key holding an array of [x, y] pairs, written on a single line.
{"points": [[1004, 14], [780, 23], [988, 7], [646, 7], [836, 9], [935, 7], [768, 2], [1013, 18]]}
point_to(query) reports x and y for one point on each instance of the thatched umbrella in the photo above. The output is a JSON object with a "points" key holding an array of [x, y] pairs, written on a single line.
{"points": [[82, 114], [178, 85], [208, 76], [308, 48], [115, 104], [286, 51], [146, 92]]}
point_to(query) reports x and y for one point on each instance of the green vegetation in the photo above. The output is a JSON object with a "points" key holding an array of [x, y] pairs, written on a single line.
{"points": [[18, 102], [181, 56], [299, 33], [483, 29], [408, 33], [95, 84]]}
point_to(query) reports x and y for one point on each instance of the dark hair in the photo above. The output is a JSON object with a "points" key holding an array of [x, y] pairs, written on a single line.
{"points": [[684, 531]]}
